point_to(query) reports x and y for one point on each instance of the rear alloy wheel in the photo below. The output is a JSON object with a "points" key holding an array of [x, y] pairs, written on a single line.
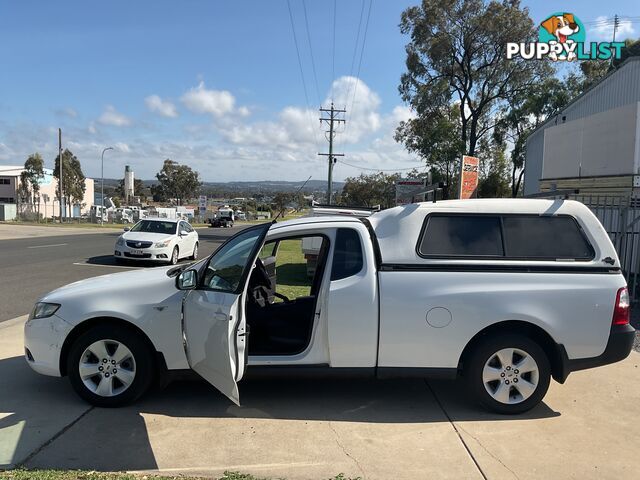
{"points": [[174, 256], [110, 366], [508, 373], [194, 255]]}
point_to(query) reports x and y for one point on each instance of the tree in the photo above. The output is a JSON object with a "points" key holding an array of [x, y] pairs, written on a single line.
{"points": [[456, 58], [370, 190], [281, 200], [177, 181], [527, 112], [33, 174], [73, 180]]}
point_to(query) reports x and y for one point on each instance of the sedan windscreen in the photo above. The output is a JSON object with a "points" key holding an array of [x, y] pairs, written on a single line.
{"points": [[152, 226]]}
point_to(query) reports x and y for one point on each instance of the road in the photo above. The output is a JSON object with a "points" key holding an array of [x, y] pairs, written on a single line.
{"points": [[32, 267]]}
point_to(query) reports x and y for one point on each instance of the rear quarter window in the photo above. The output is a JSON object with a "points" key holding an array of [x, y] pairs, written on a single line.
{"points": [[461, 235], [545, 238]]}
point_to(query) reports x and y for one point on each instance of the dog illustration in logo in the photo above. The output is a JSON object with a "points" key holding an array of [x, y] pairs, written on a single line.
{"points": [[561, 27]]}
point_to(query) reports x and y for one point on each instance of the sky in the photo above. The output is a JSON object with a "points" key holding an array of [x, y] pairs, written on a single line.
{"points": [[215, 84]]}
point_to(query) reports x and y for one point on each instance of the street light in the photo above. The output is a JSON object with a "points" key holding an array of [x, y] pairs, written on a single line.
{"points": [[102, 187]]}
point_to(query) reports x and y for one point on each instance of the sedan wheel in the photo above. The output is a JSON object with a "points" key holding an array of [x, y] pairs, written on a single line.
{"points": [[174, 256], [110, 365], [507, 373], [194, 256]]}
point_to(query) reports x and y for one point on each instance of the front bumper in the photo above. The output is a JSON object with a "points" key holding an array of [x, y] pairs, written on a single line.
{"points": [[43, 340], [148, 254], [618, 348]]}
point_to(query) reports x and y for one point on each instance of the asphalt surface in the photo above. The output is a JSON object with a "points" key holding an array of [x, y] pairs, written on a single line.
{"points": [[31, 267]]}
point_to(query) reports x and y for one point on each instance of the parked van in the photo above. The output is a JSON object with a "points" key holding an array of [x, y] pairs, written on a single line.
{"points": [[506, 294]]}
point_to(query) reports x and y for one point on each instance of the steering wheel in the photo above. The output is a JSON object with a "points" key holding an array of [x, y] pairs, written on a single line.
{"points": [[262, 276]]}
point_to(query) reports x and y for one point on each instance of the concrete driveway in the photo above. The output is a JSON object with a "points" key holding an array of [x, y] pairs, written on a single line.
{"points": [[310, 429]]}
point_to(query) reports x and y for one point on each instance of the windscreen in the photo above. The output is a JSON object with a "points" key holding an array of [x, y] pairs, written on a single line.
{"points": [[154, 226]]}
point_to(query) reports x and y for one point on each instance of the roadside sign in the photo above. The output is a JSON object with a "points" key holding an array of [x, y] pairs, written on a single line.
{"points": [[469, 177], [407, 189]]}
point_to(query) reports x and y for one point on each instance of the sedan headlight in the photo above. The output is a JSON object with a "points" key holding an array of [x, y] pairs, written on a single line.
{"points": [[43, 310], [120, 241], [163, 244]]}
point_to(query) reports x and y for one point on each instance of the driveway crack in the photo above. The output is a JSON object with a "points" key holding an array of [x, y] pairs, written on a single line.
{"points": [[344, 450], [24, 462], [455, 428]]}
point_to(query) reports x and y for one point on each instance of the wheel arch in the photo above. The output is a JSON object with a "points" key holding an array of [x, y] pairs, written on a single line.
{"points": [[85, 326], [555, 352]]}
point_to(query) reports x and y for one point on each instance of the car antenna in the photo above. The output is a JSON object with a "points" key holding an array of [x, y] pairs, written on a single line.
{"points": [[297, 192]]}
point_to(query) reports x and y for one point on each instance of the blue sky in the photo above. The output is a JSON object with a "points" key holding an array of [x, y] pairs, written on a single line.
{"points": [[212, 84]]}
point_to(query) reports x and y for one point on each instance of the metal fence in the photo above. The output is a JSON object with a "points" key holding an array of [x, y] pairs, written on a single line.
{"points": [[620, 217]]}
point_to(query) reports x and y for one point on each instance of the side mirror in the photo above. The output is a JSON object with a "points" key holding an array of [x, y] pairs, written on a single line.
{"points": [[183, 233], [126, 229], [187, 280]]}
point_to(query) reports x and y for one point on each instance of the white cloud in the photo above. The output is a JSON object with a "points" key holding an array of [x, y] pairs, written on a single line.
{"points": [[66, 112], [214, 102], [603, 30], [121, 147], [164, 108], [112, 117]]}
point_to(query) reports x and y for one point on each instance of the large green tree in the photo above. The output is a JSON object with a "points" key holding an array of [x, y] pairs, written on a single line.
{"points": [[456, 59], [177, 182], [370, 190], [73, 179]]}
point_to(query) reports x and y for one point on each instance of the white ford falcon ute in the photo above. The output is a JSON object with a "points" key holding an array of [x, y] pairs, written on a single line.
{"points": [[506, 294]]}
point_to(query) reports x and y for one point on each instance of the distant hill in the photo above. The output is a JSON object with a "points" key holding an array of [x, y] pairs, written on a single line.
{"points": [[264, 186]]}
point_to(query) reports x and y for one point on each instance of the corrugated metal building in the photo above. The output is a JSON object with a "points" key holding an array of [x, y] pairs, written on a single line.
{"points": [[594, 143]]}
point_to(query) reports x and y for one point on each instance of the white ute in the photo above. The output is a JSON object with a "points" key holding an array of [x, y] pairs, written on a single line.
{"points": [[505, 293]]}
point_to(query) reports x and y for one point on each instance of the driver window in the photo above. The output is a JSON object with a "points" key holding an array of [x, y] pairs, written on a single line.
{"points": [[291, 264], [225, 269]]}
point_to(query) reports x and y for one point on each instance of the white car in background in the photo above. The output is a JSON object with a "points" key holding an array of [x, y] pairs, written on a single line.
{"points": [[158, 240]]}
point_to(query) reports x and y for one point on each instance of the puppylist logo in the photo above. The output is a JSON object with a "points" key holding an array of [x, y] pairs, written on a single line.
{"points": [[561, 37]]}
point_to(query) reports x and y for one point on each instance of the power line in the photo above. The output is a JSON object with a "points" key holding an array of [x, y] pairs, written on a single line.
{"points": [[304, 83], [381, 169], [313, 63], [364, 41]]}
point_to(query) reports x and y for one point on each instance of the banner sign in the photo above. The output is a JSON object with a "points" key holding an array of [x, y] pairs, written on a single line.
{"points": [[407, 189], [469, 177]]}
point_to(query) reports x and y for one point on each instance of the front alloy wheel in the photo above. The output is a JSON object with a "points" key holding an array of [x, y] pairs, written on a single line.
{"points": [[174, 256], [508, 373], [107, 368], [110, 365]]}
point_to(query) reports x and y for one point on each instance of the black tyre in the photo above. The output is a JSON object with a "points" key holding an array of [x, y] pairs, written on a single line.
{"points": [[110, 366], [508, 373], [174, 256], [194, 255]]}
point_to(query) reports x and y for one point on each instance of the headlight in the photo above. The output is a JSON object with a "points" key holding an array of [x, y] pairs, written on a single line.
{"points": [[43, 310], [163, 244], [120, 241]]}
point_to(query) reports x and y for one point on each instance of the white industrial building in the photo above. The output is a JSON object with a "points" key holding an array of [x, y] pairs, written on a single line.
{"points": [[48, 202], [594, 143]]}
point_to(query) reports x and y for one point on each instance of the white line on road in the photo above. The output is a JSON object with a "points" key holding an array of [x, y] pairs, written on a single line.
{"points": [[98, 265], [54, 245]]}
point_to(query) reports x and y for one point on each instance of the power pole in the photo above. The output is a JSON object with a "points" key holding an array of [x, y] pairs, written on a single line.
{"points": [[330, 120], [60, 172], [616, 24]]}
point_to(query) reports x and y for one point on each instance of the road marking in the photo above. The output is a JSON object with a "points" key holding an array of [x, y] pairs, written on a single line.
{"points": [[106, 266], [53, 245]]}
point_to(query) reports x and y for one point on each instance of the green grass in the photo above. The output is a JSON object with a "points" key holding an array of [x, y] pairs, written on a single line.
{"points": [[22, 474], [291, 269]]}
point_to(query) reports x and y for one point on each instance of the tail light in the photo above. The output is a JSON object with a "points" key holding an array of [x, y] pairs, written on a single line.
{"points": [[621, 308]]}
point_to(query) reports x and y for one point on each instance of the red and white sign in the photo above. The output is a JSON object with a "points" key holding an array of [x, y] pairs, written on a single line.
{"points": [[469, 177]]}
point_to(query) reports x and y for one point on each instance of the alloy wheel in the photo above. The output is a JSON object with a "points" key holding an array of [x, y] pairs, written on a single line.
{"points": [[107, 368], [510, 376]]}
